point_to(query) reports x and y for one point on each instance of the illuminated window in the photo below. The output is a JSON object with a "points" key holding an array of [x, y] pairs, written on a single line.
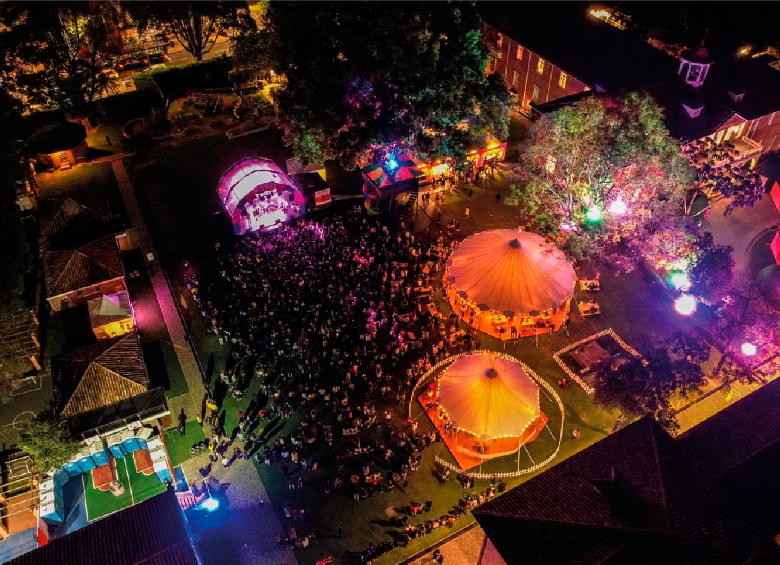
{"points": [[540, 66], [499, 41], [500, 54], [519, 54], [562, 80], [515, 78], [535, 95], [550, 164], [491, 65]]}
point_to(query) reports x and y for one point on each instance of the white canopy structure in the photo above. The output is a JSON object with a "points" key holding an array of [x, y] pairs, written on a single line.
{"points": [[489, 396], [508, 270], [257, 195]]}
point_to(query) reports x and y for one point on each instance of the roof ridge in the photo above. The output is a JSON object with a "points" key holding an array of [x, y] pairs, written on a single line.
{"points": [[651, 424], [568, 523]]}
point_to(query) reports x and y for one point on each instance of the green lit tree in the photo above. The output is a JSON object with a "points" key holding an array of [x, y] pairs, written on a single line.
{"points": [[48, 441], [606, 171], [368, 74]]}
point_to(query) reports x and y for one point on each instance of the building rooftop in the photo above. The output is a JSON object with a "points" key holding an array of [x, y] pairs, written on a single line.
{"points": [[98, 375], [96, 262], [76, 212], [153, 532], [587, 48], [57, 137], [636, 496]]}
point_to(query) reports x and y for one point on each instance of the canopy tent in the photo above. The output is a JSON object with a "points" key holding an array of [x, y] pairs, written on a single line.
{"points": [[399, 173], [111, 315], [489, 396], [511, 270], [485, 405], [258, 195]]}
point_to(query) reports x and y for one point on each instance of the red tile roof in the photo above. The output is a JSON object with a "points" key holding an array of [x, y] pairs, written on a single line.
{"points": [[661, 506], [94, 263], [153, 532]]}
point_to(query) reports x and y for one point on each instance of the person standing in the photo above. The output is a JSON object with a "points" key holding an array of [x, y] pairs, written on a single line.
{"points": [[182, 422], [498, 198]]}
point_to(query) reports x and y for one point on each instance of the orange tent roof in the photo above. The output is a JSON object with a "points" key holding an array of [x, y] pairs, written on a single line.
{"points": [[511, 270], [489, 396]]}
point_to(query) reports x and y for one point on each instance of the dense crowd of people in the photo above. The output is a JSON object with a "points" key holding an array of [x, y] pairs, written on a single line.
{"points": [[334, 318]]}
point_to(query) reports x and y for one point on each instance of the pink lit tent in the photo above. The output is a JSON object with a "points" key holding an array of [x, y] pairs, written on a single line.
{"points": [[258, 195], [489, 397], [511, 270]]}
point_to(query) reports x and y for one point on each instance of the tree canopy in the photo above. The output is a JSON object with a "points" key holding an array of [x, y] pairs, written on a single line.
{"points": [[48, 441], [712, 270], [607, 171], [16, 255], [373, 74], [54, 55], [716, 173], [639, 386], [196, 25]]}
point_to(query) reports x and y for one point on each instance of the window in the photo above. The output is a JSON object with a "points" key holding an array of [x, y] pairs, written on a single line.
{"points": [[491, 65], [535, 95], [500, 54], [540, 66], [519, 54], [515, 78], [499, 41], [562, 80]]}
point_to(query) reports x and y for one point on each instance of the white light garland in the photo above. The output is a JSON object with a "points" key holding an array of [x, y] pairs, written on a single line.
{"points": [[610, 332], [539, 381]]}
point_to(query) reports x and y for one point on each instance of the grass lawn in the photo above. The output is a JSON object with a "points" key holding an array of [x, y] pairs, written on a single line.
{"points": [[179, 446], [61, 183], [138, 488]]}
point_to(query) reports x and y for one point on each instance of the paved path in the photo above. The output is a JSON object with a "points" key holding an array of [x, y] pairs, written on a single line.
{"points": [[462, 550], [249, 534]]}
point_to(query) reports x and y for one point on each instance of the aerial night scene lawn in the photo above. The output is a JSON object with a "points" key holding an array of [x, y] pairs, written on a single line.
{"points": [[389, 282]]}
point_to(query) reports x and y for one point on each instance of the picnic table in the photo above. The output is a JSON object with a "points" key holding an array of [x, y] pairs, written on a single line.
{"points": [[589, 308], [590, 285], [590, 354]]}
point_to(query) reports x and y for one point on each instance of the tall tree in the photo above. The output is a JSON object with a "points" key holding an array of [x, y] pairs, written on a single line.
{"points": [[606, 171], [196, 25], [16, 255], [48, 441], [646, 386], [712, 270], [717, 173], [56, 53], [372, 74]]}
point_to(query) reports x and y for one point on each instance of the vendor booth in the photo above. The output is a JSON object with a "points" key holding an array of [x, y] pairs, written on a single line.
{"points": [[485, 405], [257, 195], [509, 283], [111, 315]]}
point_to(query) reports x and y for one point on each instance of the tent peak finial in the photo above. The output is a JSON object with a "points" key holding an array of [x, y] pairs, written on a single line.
{"points": [[491, 373], [515, 243]]}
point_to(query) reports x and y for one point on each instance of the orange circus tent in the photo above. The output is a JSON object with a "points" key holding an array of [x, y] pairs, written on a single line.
{"points": [[492, 403], [509, 276]]}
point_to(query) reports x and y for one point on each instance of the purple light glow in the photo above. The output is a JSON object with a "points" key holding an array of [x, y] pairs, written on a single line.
{"points": [[685, 305], [618, 207], [749, 349]]}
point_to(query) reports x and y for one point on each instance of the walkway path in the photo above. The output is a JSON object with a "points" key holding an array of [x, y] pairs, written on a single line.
{"points": [[249, 535]]}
